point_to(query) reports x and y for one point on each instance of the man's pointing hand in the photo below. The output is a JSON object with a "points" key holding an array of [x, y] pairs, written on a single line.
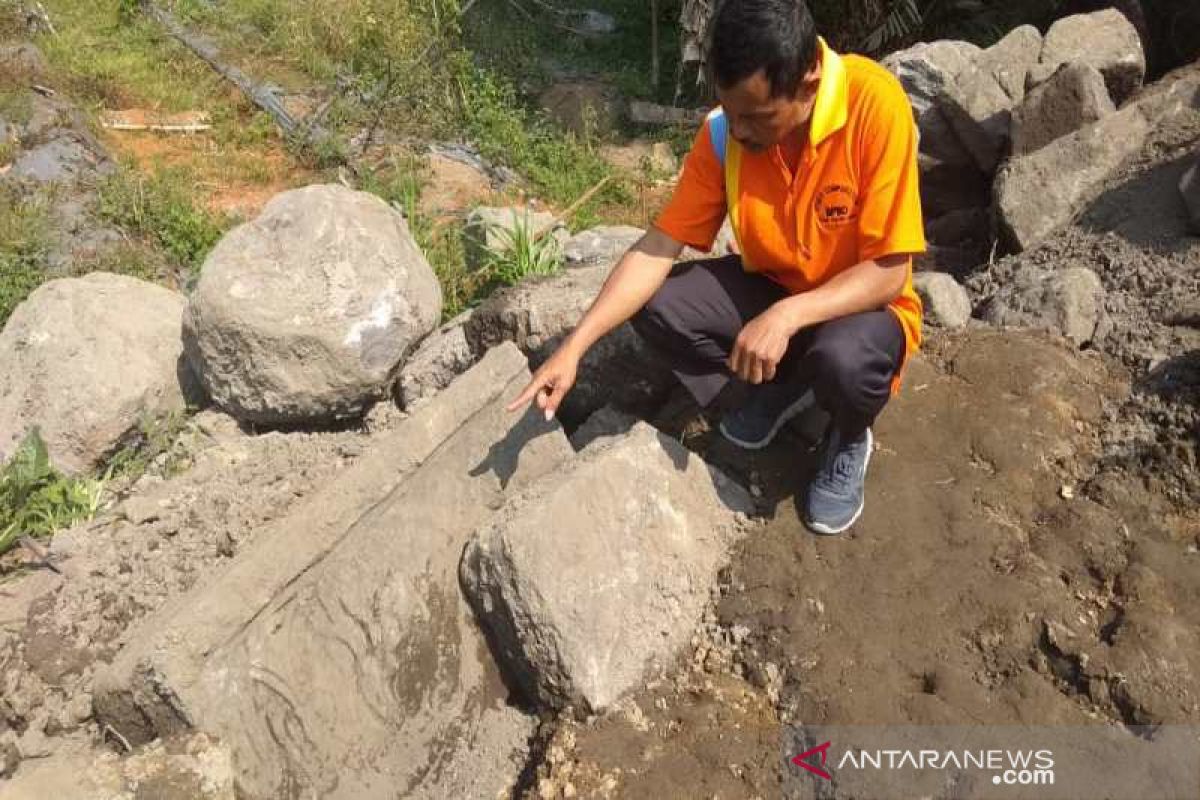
{"points": [[550, 383]]}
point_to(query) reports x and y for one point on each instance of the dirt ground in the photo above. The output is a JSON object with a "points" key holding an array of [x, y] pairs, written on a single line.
{"points": [[983, 584]]}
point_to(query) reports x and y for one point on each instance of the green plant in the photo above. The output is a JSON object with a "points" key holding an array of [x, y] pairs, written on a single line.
{"points": [[24, 236], [161, 208], [155, 438], [519, 252], [36, 500]]}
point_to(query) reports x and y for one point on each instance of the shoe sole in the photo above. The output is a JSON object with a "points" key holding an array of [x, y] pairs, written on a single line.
{"points": [[825, 530], [791, 412]]}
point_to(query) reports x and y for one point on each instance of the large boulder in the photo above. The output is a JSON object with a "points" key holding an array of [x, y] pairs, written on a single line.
{"points": [[336, 657], [1069, 302], [926, 68], [1071, 98], [1011, 58], [979, 101], [1106, 40], [980, 112], [1037, 193], [946, 303], [304, 313], [84, 359], [581, 619], [1189, 187]]}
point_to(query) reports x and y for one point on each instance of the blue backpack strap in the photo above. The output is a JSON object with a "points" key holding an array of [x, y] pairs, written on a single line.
{"points": [[718, 131]]}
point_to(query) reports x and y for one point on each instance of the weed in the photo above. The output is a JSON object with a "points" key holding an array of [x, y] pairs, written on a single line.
{"points": [[24, 231], [161, 208], [519, 252], [36, 500], [154, 440]]}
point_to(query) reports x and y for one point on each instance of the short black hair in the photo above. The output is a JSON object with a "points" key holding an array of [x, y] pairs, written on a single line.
{"points": [[776, 36]]}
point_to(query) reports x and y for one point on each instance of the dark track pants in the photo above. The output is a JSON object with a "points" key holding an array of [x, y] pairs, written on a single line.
{"points": [[698, 313]]}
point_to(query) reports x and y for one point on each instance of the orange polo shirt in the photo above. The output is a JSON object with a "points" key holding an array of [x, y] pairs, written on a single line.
{"points": [[854, 196]]}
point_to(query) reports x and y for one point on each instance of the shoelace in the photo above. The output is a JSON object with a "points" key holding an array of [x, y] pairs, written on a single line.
{"points": [[840, 467]]}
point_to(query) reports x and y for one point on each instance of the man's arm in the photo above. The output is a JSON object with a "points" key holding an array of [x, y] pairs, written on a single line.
{"points": [[866, 286], [630, 285]]}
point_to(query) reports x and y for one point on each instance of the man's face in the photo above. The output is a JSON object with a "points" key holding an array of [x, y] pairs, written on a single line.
{"points": [[757, 120]]}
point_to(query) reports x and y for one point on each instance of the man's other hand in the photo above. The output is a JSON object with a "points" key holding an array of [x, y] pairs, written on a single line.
{"points": [[550, 383], [760, 346]]}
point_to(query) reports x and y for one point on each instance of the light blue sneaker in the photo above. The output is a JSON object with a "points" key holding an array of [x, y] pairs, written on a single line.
{"points": [[770, 407], [837, 493]]}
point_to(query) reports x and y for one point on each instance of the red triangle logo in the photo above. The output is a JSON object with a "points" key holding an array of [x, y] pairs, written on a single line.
{"points": [[822, 750]]}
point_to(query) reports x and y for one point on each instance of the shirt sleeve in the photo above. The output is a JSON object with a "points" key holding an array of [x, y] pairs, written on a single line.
{"points": [[889, 220], [696, 210]]}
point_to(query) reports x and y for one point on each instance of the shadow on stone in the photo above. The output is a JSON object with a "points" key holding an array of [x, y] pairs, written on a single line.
{"points": [[503, 456]]}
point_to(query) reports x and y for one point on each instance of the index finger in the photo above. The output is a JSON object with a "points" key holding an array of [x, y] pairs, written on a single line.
{"points": [[525, 396]]}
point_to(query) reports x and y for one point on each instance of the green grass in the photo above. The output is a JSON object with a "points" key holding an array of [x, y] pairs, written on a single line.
{"points": [[24, 231], [161, 208], [16, 104], [105, 59], [36, 500]]}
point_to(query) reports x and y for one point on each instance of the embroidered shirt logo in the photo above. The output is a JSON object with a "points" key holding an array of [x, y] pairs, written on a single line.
{"points": [[835, 206]]}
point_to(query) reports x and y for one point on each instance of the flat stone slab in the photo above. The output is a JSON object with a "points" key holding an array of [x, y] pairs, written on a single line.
{"points": [[1040, 192], [336, 657], [589, 581]]}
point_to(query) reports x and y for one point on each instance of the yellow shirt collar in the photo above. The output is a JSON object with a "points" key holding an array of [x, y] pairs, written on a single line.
{"points": [[832, 104]]}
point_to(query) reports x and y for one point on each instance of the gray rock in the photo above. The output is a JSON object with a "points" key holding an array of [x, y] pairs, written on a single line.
{"points": [[83, 359], [581, 619], [603, 245], [1073, 97], [1069, 302], [925, 68], [305, 313], [335, 656], [59, 160], [1039, 73], [439, 359], [1010, 60], [536, 315], [946, 303], [1189, 187], [980, 112], [490, 230], [1106, 40], [978, 103], [1037, 193]]}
